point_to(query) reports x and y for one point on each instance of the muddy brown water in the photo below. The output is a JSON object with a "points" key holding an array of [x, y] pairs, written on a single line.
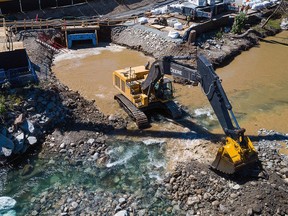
{"points": [[89, 71], [255, 81], [256, 85]]}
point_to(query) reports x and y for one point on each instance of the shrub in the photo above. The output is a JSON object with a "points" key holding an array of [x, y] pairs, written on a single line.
{"points": [[219, 34], [239, 23]]}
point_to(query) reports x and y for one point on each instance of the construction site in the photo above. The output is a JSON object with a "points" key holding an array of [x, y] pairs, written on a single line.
{"points": [[143, 107]]}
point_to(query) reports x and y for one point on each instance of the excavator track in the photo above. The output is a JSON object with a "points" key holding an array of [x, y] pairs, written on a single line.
{"points": [[173, 110], [139, 116]]}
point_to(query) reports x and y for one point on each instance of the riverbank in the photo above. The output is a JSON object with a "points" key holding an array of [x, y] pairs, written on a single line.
{"points": [[219, 50]]}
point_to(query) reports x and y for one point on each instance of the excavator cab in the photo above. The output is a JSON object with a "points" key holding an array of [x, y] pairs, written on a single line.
{"points": [[164, 89]]}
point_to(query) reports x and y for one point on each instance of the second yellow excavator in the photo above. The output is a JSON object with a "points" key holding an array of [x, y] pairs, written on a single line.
{"points": [[143, 88]]}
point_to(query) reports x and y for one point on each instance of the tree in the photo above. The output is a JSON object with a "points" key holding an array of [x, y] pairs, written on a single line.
{"points": [[239, 23]]}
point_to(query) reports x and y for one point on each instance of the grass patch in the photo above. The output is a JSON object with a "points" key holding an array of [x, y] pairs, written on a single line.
{"points": [[275, 24], [272, 24], [219, 34]]}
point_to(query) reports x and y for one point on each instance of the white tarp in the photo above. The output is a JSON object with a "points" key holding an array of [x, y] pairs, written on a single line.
{"points": [[142, 20], [173, 34], [161, 10], [178, 26], [172, 21], [284, 24], [177, 6], [259, 4]]}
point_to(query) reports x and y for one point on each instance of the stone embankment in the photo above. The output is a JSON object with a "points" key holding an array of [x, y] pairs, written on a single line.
{"points": [[150, 41], [157, 44]]}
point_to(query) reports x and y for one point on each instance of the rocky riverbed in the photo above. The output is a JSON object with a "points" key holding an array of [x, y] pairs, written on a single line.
{"points": [[196, 189]]}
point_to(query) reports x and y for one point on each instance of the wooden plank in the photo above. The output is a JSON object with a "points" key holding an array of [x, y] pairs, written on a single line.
{"points": [[166, 16], [80, 28], [18, 45], [2, 32], [157, 26]]}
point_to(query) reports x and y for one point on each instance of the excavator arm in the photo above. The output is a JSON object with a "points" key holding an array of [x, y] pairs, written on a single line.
{"points": [[238, 150]]}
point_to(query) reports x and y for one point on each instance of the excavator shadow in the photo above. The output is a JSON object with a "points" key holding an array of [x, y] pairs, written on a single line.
{"points": [[251, 172], [186, 122], [194, 130], [274, 42]]}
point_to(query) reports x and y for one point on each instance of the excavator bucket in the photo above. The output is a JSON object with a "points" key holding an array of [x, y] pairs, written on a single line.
{"points": [[233, 156]]}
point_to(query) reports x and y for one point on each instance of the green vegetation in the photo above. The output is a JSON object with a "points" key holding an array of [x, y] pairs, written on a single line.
{"points": [[275, 24], [239, 23], [2, 105], [12, 100], [219, 34], [272, 24]]}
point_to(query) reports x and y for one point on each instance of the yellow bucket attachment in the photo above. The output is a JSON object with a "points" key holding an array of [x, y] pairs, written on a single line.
{"points": [[234, 156]]}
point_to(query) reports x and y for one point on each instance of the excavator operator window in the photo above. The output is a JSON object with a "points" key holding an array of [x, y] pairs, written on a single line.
{"points": [[164, 89]]}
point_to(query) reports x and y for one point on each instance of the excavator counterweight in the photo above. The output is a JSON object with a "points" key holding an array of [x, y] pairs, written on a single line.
{"points": [[142, 89]]}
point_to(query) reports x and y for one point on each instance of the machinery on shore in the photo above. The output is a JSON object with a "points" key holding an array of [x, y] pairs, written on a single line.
{"points": [[16, 69], [145, 89]]}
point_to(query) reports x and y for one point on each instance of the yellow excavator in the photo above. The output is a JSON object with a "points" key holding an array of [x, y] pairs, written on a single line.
{"points": [[143, 88]]}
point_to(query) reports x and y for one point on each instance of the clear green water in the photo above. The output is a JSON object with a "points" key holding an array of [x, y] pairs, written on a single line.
{"points": [[131, 167]]}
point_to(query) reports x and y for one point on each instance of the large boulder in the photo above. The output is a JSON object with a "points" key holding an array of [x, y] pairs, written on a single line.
{"points": [[27, 127], [6, 146], [19, 143], [6, 203]]}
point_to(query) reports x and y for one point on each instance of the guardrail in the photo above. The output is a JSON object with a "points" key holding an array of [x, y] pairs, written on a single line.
{"points": [[59, 23]]}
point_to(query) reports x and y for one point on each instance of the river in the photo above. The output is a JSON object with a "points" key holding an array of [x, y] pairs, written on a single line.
{"points": [[89, 71], [255, 83]]}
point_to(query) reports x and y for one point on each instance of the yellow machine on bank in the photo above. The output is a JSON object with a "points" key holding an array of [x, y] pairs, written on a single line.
{"points": [[143, 88]]}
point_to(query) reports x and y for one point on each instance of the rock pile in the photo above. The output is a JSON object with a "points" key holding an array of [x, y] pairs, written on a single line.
{"points": [[6, 206], [157, 44], [39, 111], [147, 40], [25, 122], [195, 189]]}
